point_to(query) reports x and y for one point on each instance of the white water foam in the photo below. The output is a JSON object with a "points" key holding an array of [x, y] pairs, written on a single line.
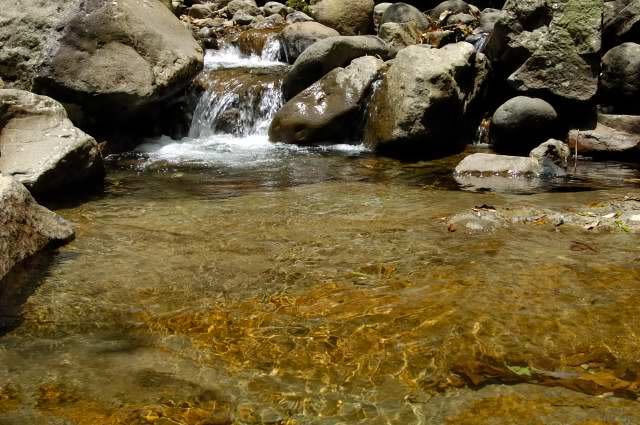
{"points": [[230, 57], [249, 146]]}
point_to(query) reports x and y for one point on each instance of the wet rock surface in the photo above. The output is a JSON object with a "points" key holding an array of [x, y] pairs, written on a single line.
{"points": [[322, 112]]}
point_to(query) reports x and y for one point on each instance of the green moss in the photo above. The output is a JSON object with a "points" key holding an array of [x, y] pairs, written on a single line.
{"points": [[301, 5]]}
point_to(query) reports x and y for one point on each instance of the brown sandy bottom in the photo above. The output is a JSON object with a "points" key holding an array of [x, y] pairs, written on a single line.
{"points": [[330, 303]]}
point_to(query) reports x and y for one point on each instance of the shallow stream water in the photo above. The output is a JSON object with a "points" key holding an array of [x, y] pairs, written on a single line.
{"points": [[222, 279]]}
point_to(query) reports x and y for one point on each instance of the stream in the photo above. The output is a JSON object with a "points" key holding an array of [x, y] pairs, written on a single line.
{"points": [[224, 279]]}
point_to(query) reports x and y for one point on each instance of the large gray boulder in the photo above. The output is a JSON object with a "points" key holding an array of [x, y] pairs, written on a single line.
{"points": [[109, 57], [327, 54], [402, 13], [25, 226], [522, 123], [296, 38], [426, 100], [326, 111], [353, 17], [42, 149], [620, 80], [547, 47]]}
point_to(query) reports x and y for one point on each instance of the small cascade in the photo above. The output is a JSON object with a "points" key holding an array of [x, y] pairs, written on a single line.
{"points": [[237, 107], [243, 92], [240, 96], [272, 49]]}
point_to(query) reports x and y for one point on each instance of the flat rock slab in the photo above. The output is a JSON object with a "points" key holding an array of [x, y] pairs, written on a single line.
{"points": [[25, 226]]}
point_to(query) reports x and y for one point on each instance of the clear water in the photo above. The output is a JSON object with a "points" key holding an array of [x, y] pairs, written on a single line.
{"points": [[222, 279]]}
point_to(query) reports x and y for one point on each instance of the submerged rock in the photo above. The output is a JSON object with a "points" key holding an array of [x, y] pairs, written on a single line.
{"points": [[42, 149], [327, 54], [621, 215], [353, 17], [111, 58], [425, 100], [326, 111], [25, 226]]}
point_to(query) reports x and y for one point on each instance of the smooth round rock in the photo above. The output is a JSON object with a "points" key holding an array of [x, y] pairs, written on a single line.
{"points": [[521, 124]]}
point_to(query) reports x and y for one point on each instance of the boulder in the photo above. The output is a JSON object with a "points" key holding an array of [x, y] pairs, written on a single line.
{"points": [[296, 38], [327, 54], [549, 48], [298, 16], [42, 149], [427, 100], [606, 143], [622, 23], [76, 52], [449, 6], [488, 19], [626, 123], [620, 79], [274, 8], [463, 19], [200, 11], [399, 35], [327, 110], [378, 13], [353, 17], [249, 7], [403, 13], [521, 124], [25, 226], [242, 18]]}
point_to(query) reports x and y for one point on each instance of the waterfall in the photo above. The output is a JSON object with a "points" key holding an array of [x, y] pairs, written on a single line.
{"points": [[235, 108], [230, 123], [243, 95], [272, 49]]}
